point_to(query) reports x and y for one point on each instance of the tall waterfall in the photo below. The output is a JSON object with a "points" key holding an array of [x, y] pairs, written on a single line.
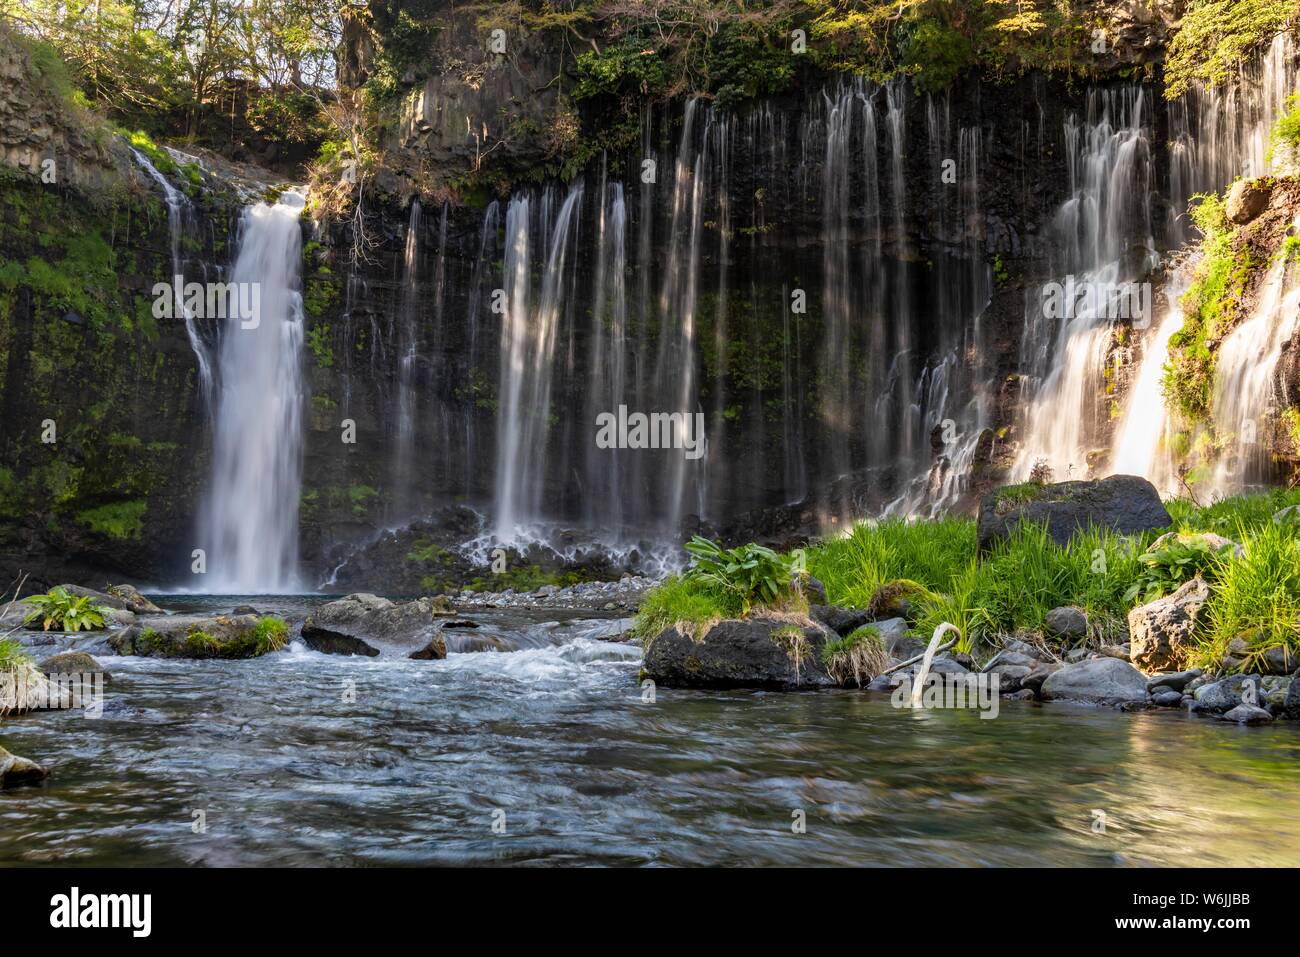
{"points": [[407, 338], [1104, 241], [251, 519]]}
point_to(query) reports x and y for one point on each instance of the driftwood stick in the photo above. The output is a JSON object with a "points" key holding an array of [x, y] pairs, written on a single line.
{"points": [[911, 661]]}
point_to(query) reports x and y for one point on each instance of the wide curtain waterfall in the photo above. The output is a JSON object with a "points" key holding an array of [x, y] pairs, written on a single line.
{"points": [[250, 523]]}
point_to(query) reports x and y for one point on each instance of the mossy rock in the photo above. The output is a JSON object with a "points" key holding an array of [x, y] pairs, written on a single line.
{"points": [[900, 598], [199, 638]]}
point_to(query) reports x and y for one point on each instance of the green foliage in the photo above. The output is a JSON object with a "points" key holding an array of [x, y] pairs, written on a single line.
{"points": [[753, 573], [1257, 597], [60, 610], [1178, 560], [1210, 306], [858, 656], [117, 520], [162, 160], [1286, 131], [270, 634], [688, 604], [1217, 36], [318, 341], [631, 66]]}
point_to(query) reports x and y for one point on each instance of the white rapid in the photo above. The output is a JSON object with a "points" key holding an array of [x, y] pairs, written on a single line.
{"points": [[251, 519], [178, 210]]}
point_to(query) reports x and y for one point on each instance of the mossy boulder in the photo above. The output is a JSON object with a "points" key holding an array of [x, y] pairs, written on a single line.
{"points": [[742, 653], [1127, 504], [200, 637], [898, 599]]}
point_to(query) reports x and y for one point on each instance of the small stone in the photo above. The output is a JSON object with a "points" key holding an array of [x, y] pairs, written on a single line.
{"points": [[1066, 624], [1248, 714]]}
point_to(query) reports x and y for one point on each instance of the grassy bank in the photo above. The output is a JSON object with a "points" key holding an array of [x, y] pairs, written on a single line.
{"points": [[1255, 597]]}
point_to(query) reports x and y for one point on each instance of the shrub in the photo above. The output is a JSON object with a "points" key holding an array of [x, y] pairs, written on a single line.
{"points": [[1177, 561], [753, 573], [860, 656], [61, 610]]}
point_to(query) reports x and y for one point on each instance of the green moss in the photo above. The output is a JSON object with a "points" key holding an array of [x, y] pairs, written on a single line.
{"points": [[118, 520], [318, 341], [1217, 37]]}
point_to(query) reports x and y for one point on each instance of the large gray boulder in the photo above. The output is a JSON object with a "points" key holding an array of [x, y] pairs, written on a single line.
{"points": [[741, 653], [1104, 681], [365, 624], [1160, 632], [1122, 503]]}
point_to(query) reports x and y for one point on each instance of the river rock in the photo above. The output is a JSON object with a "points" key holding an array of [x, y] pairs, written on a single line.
{"points": [[741, 653], [1011, 667], [1105, 681], [1160, 632], [1280, 660], [1221, 696], [1127, 504], [134, 600], [842, 621], [199, 637], [1038, 674], [365, 624], [897, 640], [1291, 703], [1247, 714], [15, 771], [1175, 680], [73, 663], [1067, 624], [1167, 698]]}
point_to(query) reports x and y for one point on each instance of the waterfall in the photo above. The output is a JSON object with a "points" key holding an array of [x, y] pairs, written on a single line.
{"points": [[251, 518], [407, 339], [528, 362], [1104, 240], [1245, 394], [178, 212]]}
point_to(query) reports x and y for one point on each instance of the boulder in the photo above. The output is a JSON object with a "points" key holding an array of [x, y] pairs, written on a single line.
{"points": [[1247, 714], [741, 653], [1174, 680], [365, 624], [1122, 503], [1160, 632], [1067, 624], [1246, 200], [15, 771], [1167, 698], [1221, 696], [134, 600], [1104, 681], [191, 636], [842, 621], [73, 663]]}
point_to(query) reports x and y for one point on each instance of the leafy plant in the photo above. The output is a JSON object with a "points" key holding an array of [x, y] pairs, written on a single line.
{"points": [[752, 573], [1178, 560], [61, 610]]}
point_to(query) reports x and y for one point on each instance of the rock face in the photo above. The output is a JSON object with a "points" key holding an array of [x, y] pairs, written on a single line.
{"points": [[190, 636], [1160, 632], [1122, 503], [1104, 681], [365, 624], [746, 653]]}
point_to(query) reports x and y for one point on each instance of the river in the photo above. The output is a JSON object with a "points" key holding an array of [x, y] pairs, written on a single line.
{"points": [[552, 755]]}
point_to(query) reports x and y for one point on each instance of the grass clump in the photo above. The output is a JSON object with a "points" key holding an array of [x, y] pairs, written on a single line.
{"points": [[1256, 598], [20, 681], [859, 657], [689, 605], [271, 634]]}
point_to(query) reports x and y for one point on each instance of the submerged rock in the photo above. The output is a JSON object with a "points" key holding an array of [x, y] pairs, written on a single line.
{"points": [[1167, 698], [365, 624], [1160, 632], [15, 771], [1247, 714], [192, 636], [1103, 681], [741, 653], [1122, 503]]}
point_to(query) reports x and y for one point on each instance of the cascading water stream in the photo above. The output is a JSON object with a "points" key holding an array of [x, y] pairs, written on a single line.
{"points": [[251, 518], [407, 338], [178, 209]]}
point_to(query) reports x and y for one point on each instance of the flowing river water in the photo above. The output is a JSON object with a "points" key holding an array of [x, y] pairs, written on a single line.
{"points": [[288, 769]]}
